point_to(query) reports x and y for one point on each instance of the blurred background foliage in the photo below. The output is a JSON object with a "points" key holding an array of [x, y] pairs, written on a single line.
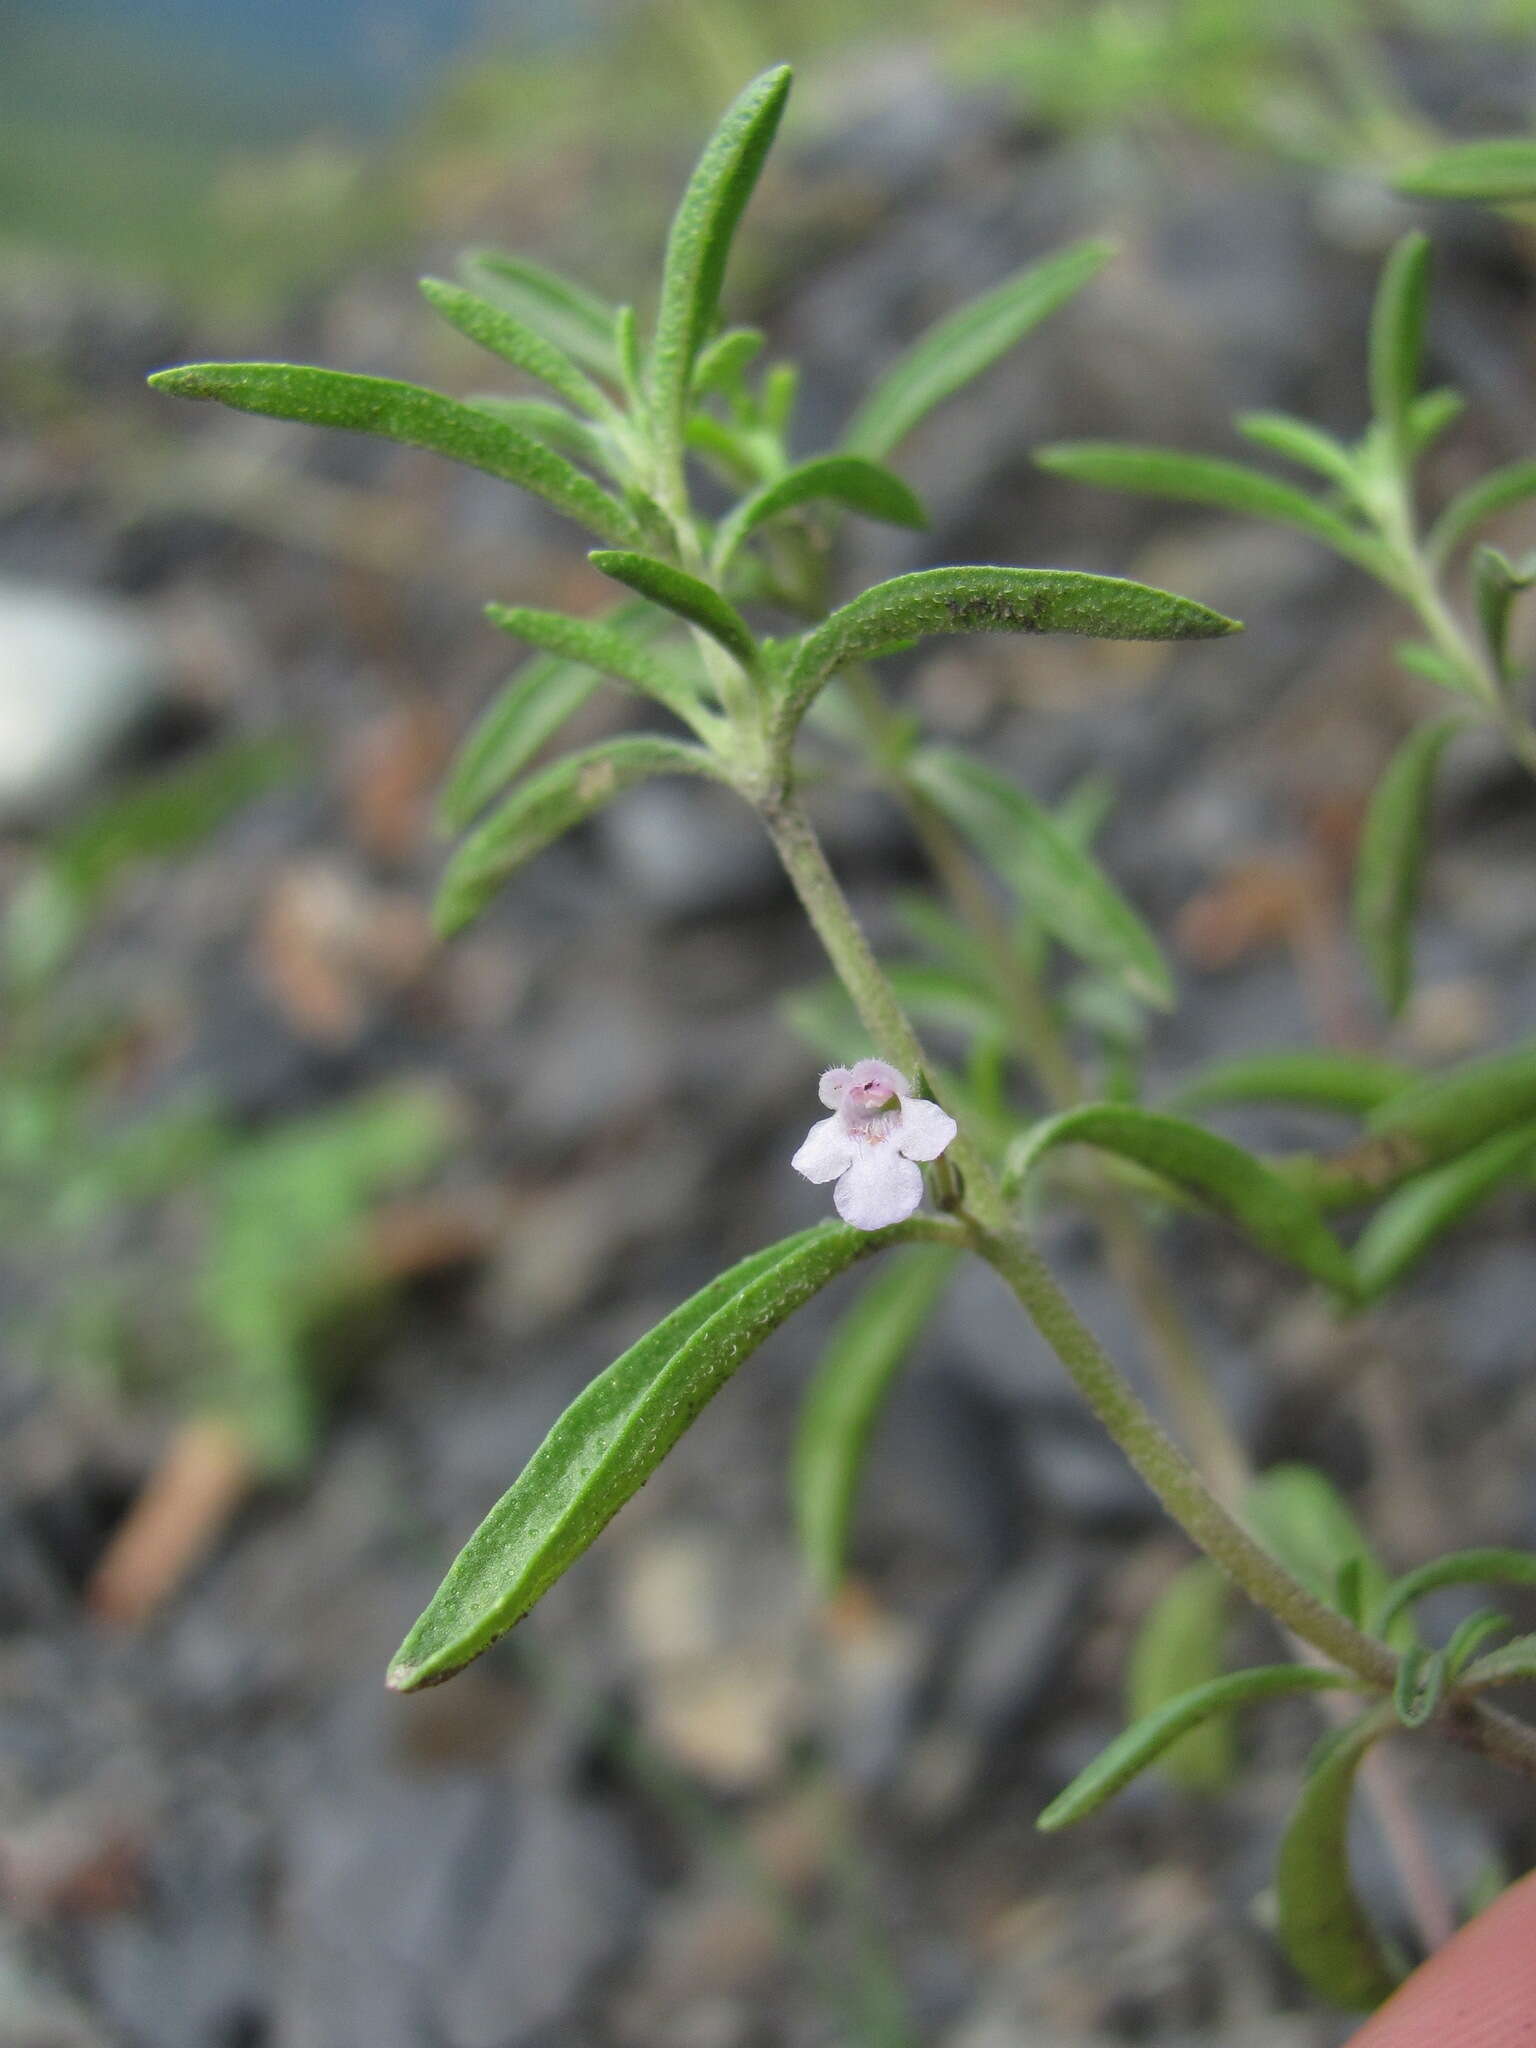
{"points": [[238, 156]]}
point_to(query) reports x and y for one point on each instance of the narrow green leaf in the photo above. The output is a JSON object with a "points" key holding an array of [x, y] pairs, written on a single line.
{"points": [[700, 241], [658, 534], [1466, 512], [959, 347], [952, 941], [409, 414], [602, 646], [548, 804], [1223, 1176], [572, 317], [1349, 1590], [849, 480], [1431, 413], [609, 1441], [990, 600], [1410, 1221], [552, 424], [538, 700], [1486, 1567], [626, 343], [1348, 1081], [1130, 1753], [939, 998], [1495, 171], [493, 328], [1322, 1926], [1434, 666], [1300, 442], [1419, 1690], [1397, 341], [1085, 807], [1468, 1637], [724, 448], [853, 1377], [781, 390], [1390, 866], [1497, 583], [528, 712], [163, 815], [1178, 1648], [1298, 1513], [1209, 480], [689, 597], [822, 1016], [720, 365], [1512, 1663], [1059, 883], [1450, 1113]]}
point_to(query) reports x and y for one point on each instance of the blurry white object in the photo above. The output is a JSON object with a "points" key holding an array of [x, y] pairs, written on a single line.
{"points": [[76, 672]]}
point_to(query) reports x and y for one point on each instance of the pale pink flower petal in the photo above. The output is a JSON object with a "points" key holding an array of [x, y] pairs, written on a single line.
{"points": [[925, 1129], [828, 1151], [880, 1188], [871, 1087], [831, 1085], [870, 1144], [893, 1080]]}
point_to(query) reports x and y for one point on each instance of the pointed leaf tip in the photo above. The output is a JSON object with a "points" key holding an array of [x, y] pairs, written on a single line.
{"points": [[412, 415], [984, 598], [1396, 349], [503, 334], [855, 1373], [1322, 1925], [1390, 867], [1495, 171], [565, 312], [612, 1437], [1210, 480], [964, 343], [688, 596], [545, 806], [700, 239], [1274, 1215], [1147, 1739], [1061, 883], [849, 480]]}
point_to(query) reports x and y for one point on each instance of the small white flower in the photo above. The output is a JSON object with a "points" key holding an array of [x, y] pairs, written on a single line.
{"points": [[869, 1144]]}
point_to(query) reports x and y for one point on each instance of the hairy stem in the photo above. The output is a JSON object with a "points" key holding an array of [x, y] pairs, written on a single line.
{"points": [[1170, 1474], [853, 961], [1421, 587], [1170, 1341]]}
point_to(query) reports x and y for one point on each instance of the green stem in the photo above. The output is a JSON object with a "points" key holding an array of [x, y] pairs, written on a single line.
{"points": [[1170, 1474], [853, 961], [1170, 1342], [1420, 586]]}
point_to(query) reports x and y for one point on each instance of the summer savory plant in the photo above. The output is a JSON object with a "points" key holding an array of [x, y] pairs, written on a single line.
{"points": [[1035, 961]]}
